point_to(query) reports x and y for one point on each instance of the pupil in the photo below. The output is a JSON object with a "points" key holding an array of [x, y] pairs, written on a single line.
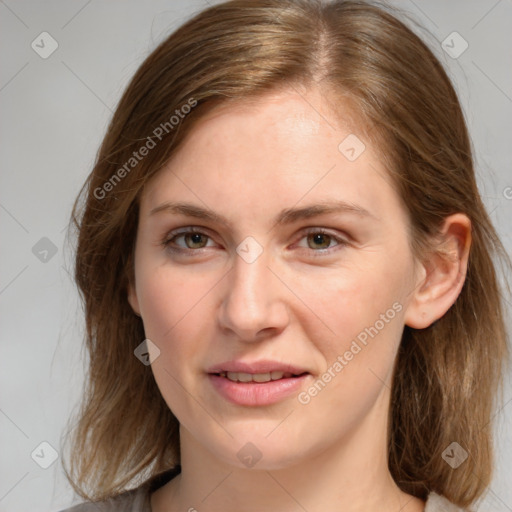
{"points": [[195, 238], [322, 240]]}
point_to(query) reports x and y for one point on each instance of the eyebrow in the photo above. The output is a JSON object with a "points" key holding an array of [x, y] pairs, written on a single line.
{"points": [[286, 216]]}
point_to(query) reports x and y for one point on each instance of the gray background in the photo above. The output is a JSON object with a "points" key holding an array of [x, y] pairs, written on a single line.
{"points": [[54, 115]]}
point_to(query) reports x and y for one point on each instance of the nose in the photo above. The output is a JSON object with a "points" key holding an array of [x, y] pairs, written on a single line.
{"points": [[254, 304]]}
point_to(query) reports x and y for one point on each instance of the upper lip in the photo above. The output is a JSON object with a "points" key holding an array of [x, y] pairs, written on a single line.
{"points": [[264, 366]]}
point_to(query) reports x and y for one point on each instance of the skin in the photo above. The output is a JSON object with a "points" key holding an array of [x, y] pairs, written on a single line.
{"points": [[295, 303]]}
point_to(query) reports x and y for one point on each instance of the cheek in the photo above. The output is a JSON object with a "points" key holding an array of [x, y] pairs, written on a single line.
{"points": [[358, 360], [345, 302], [368, 317], [177, 318], [170, 300]]}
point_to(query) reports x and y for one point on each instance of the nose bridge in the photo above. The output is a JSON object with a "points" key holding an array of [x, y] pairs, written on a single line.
{"points": [[252, 301], [250, 279]]}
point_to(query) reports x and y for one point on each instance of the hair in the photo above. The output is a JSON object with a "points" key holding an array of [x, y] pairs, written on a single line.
{"points": [[446, 377]]}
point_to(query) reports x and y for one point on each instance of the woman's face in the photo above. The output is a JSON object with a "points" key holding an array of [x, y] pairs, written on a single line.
{"points": [[299, 269]]}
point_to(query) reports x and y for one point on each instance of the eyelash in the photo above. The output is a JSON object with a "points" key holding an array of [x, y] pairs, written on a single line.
{"points": [[166, 242]]}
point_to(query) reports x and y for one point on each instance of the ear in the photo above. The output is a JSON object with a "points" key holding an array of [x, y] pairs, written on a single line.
{"points": [[443, 274], [132, 298]]}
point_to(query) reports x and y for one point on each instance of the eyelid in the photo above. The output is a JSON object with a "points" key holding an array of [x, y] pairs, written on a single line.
{"points": [[341, 241], [185, 230]]}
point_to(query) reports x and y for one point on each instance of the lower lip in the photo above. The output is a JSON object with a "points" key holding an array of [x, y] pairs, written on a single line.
{"points": [[256, 393]]}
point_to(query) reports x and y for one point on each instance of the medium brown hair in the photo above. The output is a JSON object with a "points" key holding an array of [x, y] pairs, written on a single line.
{"points": [[446, 376]]}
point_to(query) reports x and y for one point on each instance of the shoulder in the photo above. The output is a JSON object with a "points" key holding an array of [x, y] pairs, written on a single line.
{"points": [[437, 503], [134, 500]]}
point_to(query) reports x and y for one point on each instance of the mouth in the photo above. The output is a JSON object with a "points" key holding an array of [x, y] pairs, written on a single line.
{"points": [[257, 384], [257, 377]]}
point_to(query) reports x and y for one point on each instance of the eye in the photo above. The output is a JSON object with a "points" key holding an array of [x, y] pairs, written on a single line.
{"points": [[194, 240], [320, 240], [189, 239]]}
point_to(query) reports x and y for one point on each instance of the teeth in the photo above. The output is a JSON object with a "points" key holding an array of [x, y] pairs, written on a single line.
{"points": [[255, 377], [242, 377], [262, 377]]}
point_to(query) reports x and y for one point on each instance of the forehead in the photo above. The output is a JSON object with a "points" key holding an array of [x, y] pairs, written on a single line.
{"points": [[281, 148], [285, 113]]}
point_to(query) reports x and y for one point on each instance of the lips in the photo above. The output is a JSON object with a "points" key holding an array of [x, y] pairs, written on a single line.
{"points": [[257, 383]]}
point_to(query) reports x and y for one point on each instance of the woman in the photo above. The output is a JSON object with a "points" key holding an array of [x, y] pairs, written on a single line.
{"points": [[287, 273]]}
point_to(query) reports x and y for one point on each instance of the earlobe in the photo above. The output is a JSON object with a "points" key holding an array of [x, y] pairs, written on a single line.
{"points": [[444, 274]]}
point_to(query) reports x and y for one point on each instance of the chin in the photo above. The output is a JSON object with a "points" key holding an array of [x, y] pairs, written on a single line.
{"points": [[260, 452]]}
